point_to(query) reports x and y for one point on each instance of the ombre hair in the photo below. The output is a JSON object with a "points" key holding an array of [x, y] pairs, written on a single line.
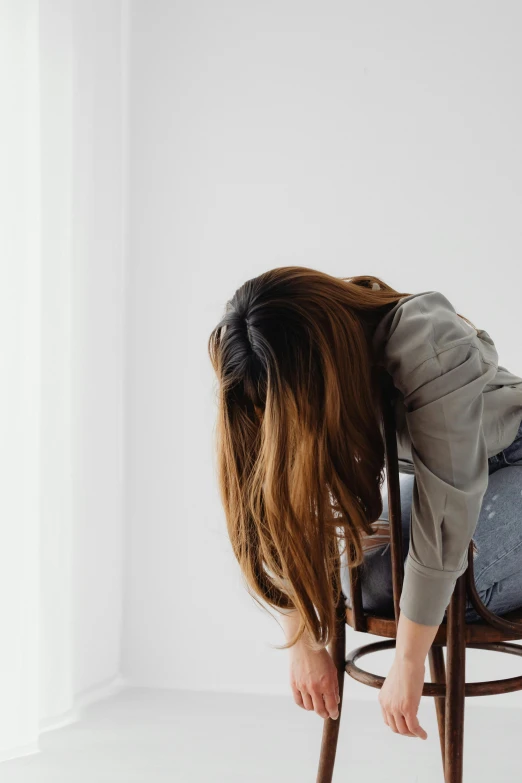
{"points": [[300, 451]]}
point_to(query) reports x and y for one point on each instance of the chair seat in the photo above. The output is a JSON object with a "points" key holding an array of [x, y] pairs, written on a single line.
{"points": [[475, 632]]}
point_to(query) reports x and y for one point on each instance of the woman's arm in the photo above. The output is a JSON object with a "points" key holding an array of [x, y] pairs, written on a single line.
{"points": [[441, 369], [413, 640], [314, 682], [290, 623], [401, 692], [313, 676]]}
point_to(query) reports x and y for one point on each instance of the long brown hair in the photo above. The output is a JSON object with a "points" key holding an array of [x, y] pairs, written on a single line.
{"points": [[300, 453]]}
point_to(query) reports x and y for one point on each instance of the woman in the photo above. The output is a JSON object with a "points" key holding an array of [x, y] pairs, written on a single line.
{"points": [[298, 355]]}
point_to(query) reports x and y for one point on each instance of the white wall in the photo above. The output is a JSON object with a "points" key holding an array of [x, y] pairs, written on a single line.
{"points": [[99, 289], [352, 137], [82, 81], [63, 189]]}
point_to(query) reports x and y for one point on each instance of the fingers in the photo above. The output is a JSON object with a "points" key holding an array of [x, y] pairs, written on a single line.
{"points": [[331, 704], [307, 700], [401, 726], [298, 698], [407, 725], [325, 705], [414, 725], [397, 724], [319, 705]]}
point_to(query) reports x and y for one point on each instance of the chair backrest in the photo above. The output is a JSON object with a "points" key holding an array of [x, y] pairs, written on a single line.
{"points": [[388, 393], [388, 396]]}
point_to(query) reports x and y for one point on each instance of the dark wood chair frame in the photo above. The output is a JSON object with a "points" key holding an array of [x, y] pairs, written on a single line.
{"points": [[448, 685]]}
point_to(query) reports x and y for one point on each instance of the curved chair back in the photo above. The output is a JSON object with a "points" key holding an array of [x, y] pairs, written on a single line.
{"points": [[388, 394]]}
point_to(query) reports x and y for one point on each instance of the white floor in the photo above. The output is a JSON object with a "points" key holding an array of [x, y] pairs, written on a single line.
{"points": [[148, 736]]}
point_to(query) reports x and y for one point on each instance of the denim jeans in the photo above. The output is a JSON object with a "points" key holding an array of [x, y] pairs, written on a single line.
{"points": [[497, 564]]}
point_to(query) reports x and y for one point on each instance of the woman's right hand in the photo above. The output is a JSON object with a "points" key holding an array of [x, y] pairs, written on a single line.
{"points": [[314, 680]]}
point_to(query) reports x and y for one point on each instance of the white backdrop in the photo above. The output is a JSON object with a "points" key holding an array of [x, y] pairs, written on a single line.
{"points": [[352, 137], [62, 312], [349, 137]]}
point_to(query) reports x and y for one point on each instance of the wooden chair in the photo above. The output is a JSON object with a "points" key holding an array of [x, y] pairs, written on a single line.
{"points": [[448, 686]]}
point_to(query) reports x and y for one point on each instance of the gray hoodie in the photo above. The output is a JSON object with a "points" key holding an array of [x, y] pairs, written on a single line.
{"points": [[456, 407]]}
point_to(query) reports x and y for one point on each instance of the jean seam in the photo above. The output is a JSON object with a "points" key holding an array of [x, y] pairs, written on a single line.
{"points": [[509, 552], [516, 464]]}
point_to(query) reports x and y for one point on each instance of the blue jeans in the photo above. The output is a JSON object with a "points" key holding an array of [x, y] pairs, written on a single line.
{"points": [[498, 537]]}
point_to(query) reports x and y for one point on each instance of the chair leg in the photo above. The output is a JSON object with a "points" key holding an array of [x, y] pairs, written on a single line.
{"points": [[337, 650], [456, 682], [438, 675]]}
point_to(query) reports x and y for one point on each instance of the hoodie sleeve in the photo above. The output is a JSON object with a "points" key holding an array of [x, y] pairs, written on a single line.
{"points": [[443, 399]]}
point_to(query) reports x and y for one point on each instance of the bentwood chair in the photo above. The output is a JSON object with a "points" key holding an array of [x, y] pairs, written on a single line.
{"points": [[448, 685]]}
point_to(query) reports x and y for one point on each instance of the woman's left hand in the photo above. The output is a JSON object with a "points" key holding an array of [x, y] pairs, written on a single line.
{"points": [[400, 697]]}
